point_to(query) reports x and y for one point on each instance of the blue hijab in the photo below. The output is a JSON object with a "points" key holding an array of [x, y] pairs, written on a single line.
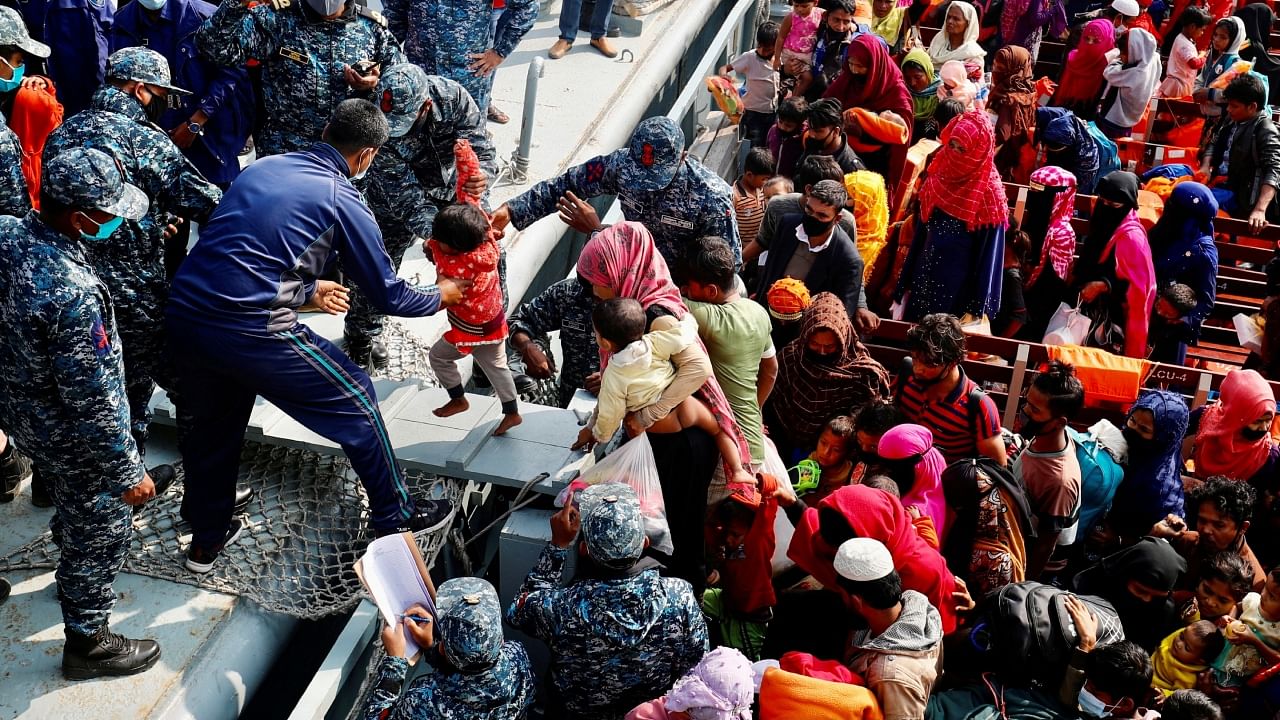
{"points": [[1075, 151], [1182, 247], [1152, 486]]}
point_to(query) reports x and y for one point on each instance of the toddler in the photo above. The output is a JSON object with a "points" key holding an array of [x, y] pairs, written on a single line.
{"points": [[1168, 328], [797, 38], [761, 101], [786, 137], [461, 246], [740, 543], [1183, 654], [1185, 60], [638, 371], [1253, 638], [1225, 579], [748, 192], [830, 466]]}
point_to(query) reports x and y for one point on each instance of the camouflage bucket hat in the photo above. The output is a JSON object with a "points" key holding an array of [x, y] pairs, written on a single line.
{"points": [[142, 65], [13, 31], [85, 178], [400, 94], [652, 157], [470, 623], [612, 526]]}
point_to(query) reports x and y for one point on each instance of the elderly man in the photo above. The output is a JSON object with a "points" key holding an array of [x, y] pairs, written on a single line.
{"points": [[619, 636]]}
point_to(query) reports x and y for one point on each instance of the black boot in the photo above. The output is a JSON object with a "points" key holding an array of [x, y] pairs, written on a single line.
{"points": [[41, 495], [106, 653], [162, 476], [369, 354], [378, 353], [14, 468]]}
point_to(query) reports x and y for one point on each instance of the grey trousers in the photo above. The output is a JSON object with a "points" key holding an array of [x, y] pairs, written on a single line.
{"points": [[492, 359]]}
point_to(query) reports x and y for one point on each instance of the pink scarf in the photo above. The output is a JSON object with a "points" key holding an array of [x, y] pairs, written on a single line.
{"points": [[1133, 264], [1060, 238], [904, 441], [1245, 397]]}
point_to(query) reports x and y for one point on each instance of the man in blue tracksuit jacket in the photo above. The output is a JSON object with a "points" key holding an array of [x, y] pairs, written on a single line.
{"points": [[233, 319]]}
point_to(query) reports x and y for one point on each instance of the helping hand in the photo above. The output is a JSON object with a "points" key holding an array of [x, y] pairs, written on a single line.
{"points": [[501, 218], [331, 298], [452, 290], [577, 213], [565, 525], [536, 363]]}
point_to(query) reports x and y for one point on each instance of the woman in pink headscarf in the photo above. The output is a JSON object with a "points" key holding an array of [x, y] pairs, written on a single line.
{"points": [[1051, 203], [622, 261], [1232, 437], [916, 466], [720, 687], [1082, 75]]}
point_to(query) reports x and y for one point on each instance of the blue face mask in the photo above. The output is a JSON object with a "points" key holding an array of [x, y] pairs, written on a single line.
{"points": [[152, 4], [13, 82], [1091, 705], [105, 230]]}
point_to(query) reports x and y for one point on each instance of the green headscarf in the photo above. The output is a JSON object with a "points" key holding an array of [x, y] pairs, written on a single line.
{"points": [[924, 102]]}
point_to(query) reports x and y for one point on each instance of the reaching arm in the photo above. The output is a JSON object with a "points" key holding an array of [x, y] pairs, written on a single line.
{"points": [[533, 611], [236, 33], [587, 180], [359, 244], [768, 376]]}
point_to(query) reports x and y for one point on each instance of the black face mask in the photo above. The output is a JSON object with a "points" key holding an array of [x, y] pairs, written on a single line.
{"points": [[1027, 427], [1253, 435], [813, 227], [817, 357], [814, 146], [902, 472], [1137, 443], [870, 458], [156, 108]]}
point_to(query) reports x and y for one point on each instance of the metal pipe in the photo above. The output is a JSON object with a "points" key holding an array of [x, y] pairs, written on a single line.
{"points": [[520, 162]]}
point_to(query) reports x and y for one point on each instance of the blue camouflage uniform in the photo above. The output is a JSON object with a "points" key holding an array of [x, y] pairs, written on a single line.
{"points": [[618, 640], [303, 57], [677, 198], [78, 32], [223, 94], [232, 320], [441, 35], [132, 265], [565, 306], [14, 198], [477, 676], [62, 382], [413, 175]]}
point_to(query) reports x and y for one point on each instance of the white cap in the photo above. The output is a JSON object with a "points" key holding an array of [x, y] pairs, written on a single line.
{"points": [[863, 560], [1128, 8]]}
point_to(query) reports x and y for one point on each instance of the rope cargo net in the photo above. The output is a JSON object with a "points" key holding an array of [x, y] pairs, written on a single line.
{"points": [[304, 529]]}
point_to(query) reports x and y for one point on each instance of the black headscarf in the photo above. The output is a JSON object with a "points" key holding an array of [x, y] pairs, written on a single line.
{"points": [[1152, 562], [1121, 187], [1258, 19], [960, 487]]}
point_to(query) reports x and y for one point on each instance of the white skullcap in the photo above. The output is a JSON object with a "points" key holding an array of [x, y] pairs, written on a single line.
{"points": [[863, 560], [1128, 8]]}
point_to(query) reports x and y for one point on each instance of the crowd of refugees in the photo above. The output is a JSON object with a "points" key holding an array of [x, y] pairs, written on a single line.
{"points": [[845, 539]]}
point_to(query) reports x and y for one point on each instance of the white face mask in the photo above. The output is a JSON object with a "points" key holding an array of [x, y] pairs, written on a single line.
{"points": [[360, 175], [152, 4], [1091, 706]]}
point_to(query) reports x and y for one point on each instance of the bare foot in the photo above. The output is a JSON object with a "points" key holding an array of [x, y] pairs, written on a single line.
{"points": [[453, 407], [508, 421]]}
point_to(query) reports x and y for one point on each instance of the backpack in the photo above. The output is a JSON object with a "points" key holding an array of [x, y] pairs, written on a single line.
{"points": [[1027, 633], [1108, 152], [1099, 451]]}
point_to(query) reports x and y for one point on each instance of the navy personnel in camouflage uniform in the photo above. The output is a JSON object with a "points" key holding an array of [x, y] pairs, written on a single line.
{"points": [[477, 675], [676, 197], [413, 177], [62, 395], [619, 634], [565, 306], [309, 50], [451, 38], [120, 121]]}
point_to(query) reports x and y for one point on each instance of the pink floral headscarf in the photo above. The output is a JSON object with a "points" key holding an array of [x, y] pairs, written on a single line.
{"points": [[719, 687], [1060, 238]]}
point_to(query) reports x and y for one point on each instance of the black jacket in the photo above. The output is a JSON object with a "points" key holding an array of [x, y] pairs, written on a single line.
{"points": [[1254, 162], [837, 269]]}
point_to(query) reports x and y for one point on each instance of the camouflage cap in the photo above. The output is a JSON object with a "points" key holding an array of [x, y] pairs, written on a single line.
{"points": [[652, 157], [612, 526], [88, 179], [400, 94], [470, 622], [142, 65], [13, 31]]}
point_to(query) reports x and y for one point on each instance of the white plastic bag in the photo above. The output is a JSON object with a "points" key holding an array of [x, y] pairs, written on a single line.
{"points": [[1248, 332], [633, 465], [783, 530], [1068, 326]]}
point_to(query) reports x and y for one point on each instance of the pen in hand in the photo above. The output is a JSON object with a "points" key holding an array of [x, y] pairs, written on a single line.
{"points": [[415, 618]]}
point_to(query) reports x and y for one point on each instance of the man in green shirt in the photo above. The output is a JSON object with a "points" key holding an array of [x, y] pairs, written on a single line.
{"points": [[735, 330]]}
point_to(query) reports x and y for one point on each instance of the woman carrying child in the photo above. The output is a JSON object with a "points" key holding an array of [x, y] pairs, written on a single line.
{"points": [[622, 261]]}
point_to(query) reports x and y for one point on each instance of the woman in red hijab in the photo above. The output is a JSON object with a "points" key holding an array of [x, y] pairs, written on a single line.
{"points": [[872, 82], [862, 511], [1232, 437], [1082, 74]]}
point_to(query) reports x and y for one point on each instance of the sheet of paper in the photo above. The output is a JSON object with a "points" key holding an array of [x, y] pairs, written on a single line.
{"points": [[393, 572]]}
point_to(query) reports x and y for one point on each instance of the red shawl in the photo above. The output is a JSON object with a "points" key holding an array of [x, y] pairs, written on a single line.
{"points": [[1220, 450], [963, 182], [624, 258], [882, 88], [878, 515], [1082, 75]]}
